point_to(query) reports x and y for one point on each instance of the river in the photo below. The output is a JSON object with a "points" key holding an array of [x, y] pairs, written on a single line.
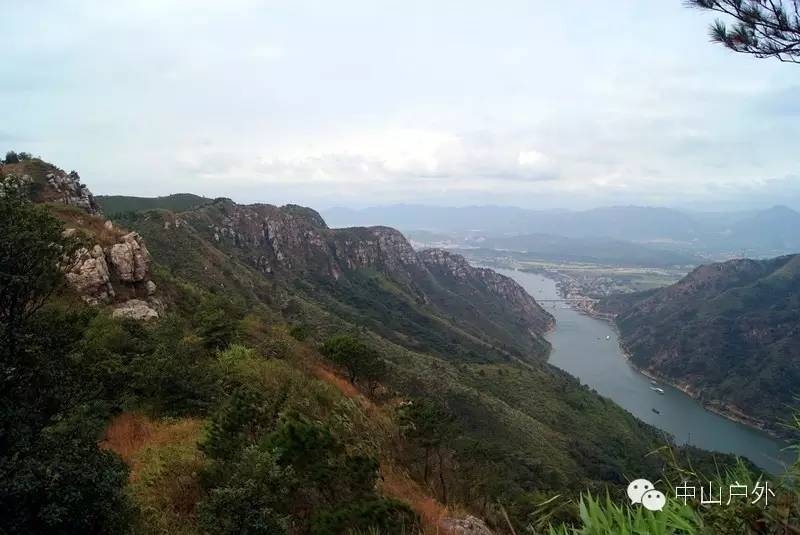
{"points": [[581, 347]]}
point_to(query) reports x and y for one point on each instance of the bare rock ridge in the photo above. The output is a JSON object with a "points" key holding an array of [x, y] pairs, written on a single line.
{"points": [[112, 267], [297, 239]]}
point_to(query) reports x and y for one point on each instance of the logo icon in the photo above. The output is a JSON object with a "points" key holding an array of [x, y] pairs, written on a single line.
{"points": [[642, 491]]}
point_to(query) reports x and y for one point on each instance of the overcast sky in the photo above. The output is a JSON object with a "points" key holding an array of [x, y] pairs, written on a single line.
{"points": [[351, 103]]}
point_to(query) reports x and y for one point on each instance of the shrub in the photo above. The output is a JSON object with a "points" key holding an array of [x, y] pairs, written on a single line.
{"points": [[381, 515], [300, 332], [357, 358], [251, 498]]}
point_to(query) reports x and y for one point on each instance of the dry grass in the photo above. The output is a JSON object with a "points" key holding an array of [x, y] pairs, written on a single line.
{"points": [[396, 483], [92, 225], [131, 432], [165, 463], [347, 388]]}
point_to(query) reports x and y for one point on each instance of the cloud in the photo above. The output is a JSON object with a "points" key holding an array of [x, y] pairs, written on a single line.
{"points": [[779, 102], [306, 100], [401, 156]]}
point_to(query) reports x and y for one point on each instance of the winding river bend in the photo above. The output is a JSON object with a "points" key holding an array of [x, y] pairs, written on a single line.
{"points": [[588, 349]]}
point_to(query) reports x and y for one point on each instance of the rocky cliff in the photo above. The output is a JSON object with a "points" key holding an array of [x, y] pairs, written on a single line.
{"points": [[479, 280], [294, 239]]}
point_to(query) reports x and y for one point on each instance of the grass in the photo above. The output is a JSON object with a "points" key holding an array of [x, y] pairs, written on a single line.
{"points": [[132, 432], [604, 516], [93, 227], [165, 463], [397, 483]]}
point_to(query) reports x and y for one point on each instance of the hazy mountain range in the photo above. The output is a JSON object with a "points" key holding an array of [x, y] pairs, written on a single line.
{"points": [[772, 231]]}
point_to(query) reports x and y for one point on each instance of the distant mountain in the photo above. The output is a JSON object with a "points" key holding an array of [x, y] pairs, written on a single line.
{"points": [[622, 222], [178, 202], [591, 249], [760, 233], [727, 333], [777, 228]]}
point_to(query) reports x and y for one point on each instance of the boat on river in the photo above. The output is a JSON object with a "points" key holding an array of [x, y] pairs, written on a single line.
{"points": [[657, 389]]}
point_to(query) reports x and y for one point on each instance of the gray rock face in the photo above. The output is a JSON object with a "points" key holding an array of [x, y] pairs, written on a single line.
{"points": [[130, 258], [90, 276], [465, 526], [96, 271], [135, 309], [376, 247], [514, 295], [292, 238], [69, 190]]}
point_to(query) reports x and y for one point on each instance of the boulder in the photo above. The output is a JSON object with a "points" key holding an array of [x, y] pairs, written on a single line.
{"points": [[130, 258], [135, 309], [90, 276], [465, 526]]}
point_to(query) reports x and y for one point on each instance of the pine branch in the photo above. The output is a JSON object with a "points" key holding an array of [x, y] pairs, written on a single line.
{"points": [[761, 28]]}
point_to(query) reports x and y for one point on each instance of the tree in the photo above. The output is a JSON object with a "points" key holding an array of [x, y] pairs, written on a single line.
{"points": [[356, 357], [217, 322], [53, 477], [33, 257], [430, 425], [763, 28], [251, 499], [12, 157]]}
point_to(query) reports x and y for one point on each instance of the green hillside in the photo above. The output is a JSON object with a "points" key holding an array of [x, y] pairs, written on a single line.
{"points": [[178, 202], [727, 332]]}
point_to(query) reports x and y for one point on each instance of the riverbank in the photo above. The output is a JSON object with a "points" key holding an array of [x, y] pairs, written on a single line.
{"points": [[588, 349], [587, 305], [716, 406]]}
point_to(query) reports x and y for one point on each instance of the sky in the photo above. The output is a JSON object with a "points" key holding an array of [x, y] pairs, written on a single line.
{"points": [[529, 103]]}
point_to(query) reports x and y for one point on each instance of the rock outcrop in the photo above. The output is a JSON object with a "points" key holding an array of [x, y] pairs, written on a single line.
{"points": [[90, 276], [112, 266], [67, 188], [130, 258], [293, 238], [124, 264], [465, 526], [135, 309]]}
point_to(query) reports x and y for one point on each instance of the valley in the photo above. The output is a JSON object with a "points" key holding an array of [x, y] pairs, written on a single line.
{"points": [[462, 387], [588, 349]]}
